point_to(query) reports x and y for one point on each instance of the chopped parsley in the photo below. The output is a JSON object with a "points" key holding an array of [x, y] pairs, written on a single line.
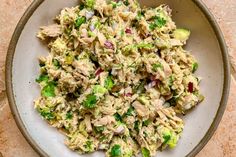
{"points": [[69, 115], [49, 89], [99, 129], [136, 126], [158, 22], [145, 152], [166, 137], [140, 15], [114, 4], [126, 2], [42, 78], [56, 63], [130, 111], [81, 7], [89, 145], [79, 21], [115, 151], [146, 122], [118, 117], [46, 113], [90, 101]]}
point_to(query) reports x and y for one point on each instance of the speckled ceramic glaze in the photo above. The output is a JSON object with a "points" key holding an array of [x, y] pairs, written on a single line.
{"points": [[206, 44]]}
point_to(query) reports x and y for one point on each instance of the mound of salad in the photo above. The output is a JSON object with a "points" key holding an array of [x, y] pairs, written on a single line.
{"points": [[117, 78]]}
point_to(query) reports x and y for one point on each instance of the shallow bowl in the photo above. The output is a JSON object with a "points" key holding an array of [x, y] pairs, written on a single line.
{"points": [[206, 44]]}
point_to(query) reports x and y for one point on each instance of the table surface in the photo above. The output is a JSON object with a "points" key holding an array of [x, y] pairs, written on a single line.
{"points": [[13, 144]]}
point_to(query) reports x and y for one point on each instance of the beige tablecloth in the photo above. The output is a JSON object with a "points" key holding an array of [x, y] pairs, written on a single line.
{"points": [[12, 143]]}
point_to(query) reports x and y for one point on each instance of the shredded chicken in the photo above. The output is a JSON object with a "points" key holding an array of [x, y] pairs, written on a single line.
{"points": [[104, 121], [140, 109], [53, 31]]}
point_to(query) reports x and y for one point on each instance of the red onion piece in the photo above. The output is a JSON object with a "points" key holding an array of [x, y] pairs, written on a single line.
{"points": [[92, 27], [153, 78], [98, 71], [109, 45], [190, 87], [128, 31], [153, 83], [89, 14], [128, 94]]}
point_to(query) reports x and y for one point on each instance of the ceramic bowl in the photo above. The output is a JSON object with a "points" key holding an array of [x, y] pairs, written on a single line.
{"points": [[206, 44]]}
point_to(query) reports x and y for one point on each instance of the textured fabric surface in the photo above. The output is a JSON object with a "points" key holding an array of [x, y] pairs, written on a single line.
{"points": [[13, 144]]}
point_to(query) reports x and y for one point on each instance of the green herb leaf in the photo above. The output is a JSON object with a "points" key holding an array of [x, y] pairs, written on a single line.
{"points": [[194, 67], [158, 22], [99, 129], [56, 63], [46, 113], [114, 4], [49, 89], [102, 138], [145, 152], [136, 126], [69, 115], [89, 144], [146, 122], [90, 101], [118, 117], [166, 137], [152, 26], [140, 15], [115, 151], [126, 2], [130, 111], [79, 21], [81, 7], [173, 100], [42, 78], [109, 83]]}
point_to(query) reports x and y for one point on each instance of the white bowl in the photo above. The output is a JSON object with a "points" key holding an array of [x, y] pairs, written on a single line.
{"points": [[206, 43]]}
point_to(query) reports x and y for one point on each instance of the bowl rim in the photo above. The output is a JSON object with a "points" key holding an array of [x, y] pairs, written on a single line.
{"points": [[11, 99]]}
